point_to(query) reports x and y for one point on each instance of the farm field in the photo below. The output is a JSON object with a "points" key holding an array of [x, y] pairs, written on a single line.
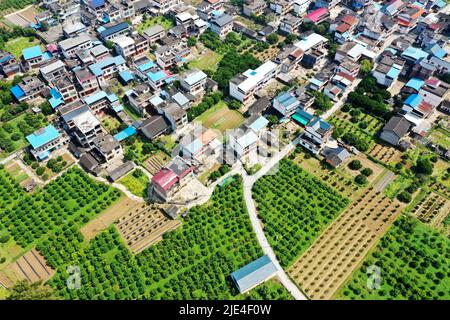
{"points": [[21, 17], [220, 117], [441, 137], [72, 198], [434, 210], [136, 182], [155, 162], [192, 262], [164, 22], [414, 261], [31, 267], [15, 46], [337, 251], [19, 175], [295, 208], [336, 178], [269, 290], [207, 60], [143, 226], [385, 154]]}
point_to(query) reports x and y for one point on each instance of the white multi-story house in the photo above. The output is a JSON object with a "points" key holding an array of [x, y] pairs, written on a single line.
{"points": [[53, 71], [434, 91], [69, 47], [222, 25], [165, 5], [83, 125], [243, 86], [301, 6], [46, 140], [194, 82], [316, 135], [107, 68]]}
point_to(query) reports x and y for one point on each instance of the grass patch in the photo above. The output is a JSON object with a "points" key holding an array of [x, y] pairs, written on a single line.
{"points": [[220, 117], [15, 46], [136, 182], [207, 61], [397, 186], [161, 20], [440, 137]]}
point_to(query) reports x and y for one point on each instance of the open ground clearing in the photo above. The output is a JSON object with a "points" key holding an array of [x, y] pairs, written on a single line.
{"points": [[31, 267], [220, 117], [330, 260], [385, 154], [15, 46], [21, 17], [136, 184], [207, 60], [164, 22]]}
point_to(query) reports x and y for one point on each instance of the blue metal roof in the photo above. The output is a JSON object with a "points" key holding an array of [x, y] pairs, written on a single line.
{"points": [[413, 100], [32, 52], [96, 3], [127, 132], [436, 50], [195, 77], [259, 124], [17, 92], [117, 108], [254, 273], [43, 136], [148, 65], [56, 100], [415, 83], [95, 97], [414, 53], [157, 75], [393, 73], [156, 101], [194, 146], [97, 68], [180, 99], [126, 75], [116, 28]]}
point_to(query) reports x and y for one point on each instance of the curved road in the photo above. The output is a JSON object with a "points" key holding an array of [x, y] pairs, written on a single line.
{"points": [[256, 224]]}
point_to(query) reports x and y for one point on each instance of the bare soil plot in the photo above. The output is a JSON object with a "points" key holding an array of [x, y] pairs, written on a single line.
{"points": [[155, 163], [433, 210], [108, 217], [143, 226], [22, 17], [366, 163], [31, 267], [322, 269], [386, 154]]}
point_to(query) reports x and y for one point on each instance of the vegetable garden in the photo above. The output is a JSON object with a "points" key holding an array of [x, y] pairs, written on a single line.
{"points": [[295, 208]]}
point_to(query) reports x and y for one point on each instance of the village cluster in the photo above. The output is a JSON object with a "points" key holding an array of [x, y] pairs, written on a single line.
{"points": [[97, 60]]}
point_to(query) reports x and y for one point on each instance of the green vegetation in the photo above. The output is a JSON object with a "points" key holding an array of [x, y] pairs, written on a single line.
{"points": [[208, 61], [270, 290], [209, 101], [369, 97], [223, 170], [193, 262], [15, 46], [165, 22], [137, 182], [295, 208], [220, 117], [321, 102], [138, 149], [16, 4], [413, 260], [23, 290], [70, 200]]}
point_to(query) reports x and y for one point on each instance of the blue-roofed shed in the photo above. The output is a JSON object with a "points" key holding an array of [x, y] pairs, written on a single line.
{"points": [[415, 83], [414, 54], [302, 117], [127, 132], [126, 76], [145, 66], [180, 99], [157, 75], [43, 136], [17, 92], [413, 100], [254, 273], [32, 52]]}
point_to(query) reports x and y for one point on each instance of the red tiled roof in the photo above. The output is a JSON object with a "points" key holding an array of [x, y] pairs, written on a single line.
{"points": [[350, 19], [432, 82], [425, 107], [346, 76], [343, 27], [297, 53], [316, 15], [165, 178]]}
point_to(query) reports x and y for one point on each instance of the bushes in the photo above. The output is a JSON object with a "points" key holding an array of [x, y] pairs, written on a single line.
{"points": [[423, 165], [224, 169], [404, 197], [366, 103], [361, 179], [208, 101], [367, 172], [354, 140], [355, 165]]}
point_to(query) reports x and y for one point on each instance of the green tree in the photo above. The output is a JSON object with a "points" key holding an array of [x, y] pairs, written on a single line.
{"points": [[23, 290], [366, 66]]}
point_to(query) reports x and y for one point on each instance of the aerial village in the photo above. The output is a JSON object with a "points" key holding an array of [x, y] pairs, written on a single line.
{"points": [[168, 99]]}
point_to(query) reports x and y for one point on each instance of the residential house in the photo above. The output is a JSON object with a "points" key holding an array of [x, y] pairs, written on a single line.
{"points": [[194, 82], [349, 67], [154, 33], [139, 98], [28, 89], [290, 24], [289, 58], [46, 140], [345, 28], [335, 156], [199, 142], [415, 109], [53, 70], [107, 147], [114, 31], [388, 69], [83, 125], [32, 57], [86, 81], [434, 91], [353, 51], [243, 86], [9, 65], [181, 100], [131, 47], [408, 17], [222, 25], [100, 101], [73, 29], [286, 103], [395, 129], [281, 7], [317, 16], [413, 55], [393, 7], [173, 54], [301, 7], [66, 88], [176, 115], [69, 47], [165, 6], [155, 126], [108, 68], [254, 7], [377, 25], [170, 179], [326, 3], [316, 135]]}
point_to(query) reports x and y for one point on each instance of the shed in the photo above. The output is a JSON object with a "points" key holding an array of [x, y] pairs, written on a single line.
{"points": [[254, 273]]}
